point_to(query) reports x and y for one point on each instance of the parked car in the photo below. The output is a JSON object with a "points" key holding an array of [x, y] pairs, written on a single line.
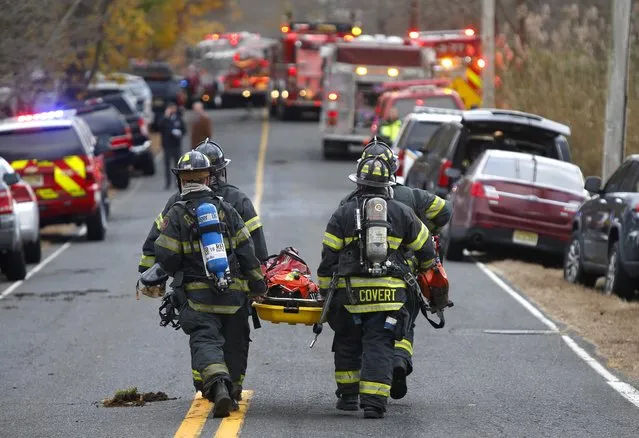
{"points": [[513, 199], [115, 82], [605, 238], [26, 208], [457, 144], [57, 154], [164, 85], [110, 127], [417, 129], [12, 258], [124, 102]]}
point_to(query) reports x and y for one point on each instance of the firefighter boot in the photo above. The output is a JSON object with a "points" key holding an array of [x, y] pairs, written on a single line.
{"points": [[399, 387], [236, 396], [218, 393], [348, 403], [372, 412]]}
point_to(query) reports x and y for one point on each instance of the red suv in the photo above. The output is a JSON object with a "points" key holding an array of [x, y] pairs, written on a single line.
{"points": [[56, 153]]}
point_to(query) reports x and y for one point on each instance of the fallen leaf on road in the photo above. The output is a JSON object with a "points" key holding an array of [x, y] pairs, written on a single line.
{"points": [[131, 397]]}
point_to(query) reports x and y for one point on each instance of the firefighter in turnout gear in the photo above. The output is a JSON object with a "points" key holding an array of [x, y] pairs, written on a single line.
{"points": [[244, 207], [391, 127], [434, 212], [211, 313], [367, 312]]}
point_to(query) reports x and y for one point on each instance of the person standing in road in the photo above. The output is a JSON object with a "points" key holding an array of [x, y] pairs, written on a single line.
{"points": [[201, 127], [435, 213], [172, 129], [367, 312], [244, 207], [214, 317], [389, 130]]}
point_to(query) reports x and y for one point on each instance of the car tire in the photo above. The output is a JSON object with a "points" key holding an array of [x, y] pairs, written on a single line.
{"points": [[617, 279], [148, 165], [33, 251], [97, 225], [15, 265], [454, 250], [121, 179], [573, 264]]}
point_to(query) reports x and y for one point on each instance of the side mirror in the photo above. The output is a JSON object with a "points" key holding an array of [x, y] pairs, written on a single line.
{"points": [[11, 178], [593, 184], [453, 174], [102, 145]]}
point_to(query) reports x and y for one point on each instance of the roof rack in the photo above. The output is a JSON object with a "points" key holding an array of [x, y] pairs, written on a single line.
{"points": [[434, 110]]}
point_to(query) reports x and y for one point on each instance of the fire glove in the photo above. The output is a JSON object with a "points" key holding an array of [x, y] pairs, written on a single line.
{"points": [[257, 288]]}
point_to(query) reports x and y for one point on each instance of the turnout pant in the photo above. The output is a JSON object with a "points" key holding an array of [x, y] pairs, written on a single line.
{"points": [[363, 356], [219, 344], [171, 156], [404, 347]]}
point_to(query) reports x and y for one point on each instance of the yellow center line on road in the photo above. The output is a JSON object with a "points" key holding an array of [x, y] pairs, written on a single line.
{"points": [[195, 418], [232, 425], [261, 159]]}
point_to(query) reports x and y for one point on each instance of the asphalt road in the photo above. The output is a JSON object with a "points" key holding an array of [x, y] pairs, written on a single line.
{"points": [[73, 333]]}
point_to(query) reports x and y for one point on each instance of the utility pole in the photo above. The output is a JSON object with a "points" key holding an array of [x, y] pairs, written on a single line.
{"points": [[615, 133], [488, 49], [413, 16]]}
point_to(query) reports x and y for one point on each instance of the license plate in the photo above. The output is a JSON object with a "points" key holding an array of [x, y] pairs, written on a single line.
{"points": [[525, 238], [33, 180]]}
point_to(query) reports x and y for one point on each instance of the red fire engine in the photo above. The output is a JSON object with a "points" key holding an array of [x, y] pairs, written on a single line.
{"points": [[297, 76], [459, 58]]}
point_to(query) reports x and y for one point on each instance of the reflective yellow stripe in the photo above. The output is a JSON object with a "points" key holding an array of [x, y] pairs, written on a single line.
{"points": [[394, 242], [19, 164], [421, 239], [76, 164], [412, 263], [374, 388], [375, 307], [169, 243], [47, 194], [241, 381], [473, 78], [324, 282], [147, 261], [253, 224], [255, 274], [405, 344], [435, 207], [333, 241], [426, 264], [196, 375], [239, 285], [389, 282], [196, 285], [158, 221], [67, 183], [241, 236], [214, 369], [346, 377], [212, 308], [348, 240]]}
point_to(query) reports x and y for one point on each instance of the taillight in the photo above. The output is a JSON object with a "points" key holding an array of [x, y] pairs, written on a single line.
{"points": [[144, 130], [444, 181], [331, 117], [479, 190], [292, 70], [236, 83], [400, 162], [121, 141], [6, 202], [21, 192]]}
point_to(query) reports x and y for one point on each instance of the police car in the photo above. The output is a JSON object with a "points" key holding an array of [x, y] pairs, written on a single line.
{"points": [[57, 154], [417, 128]]}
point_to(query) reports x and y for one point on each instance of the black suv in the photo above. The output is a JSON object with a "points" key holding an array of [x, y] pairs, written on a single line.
{"points": [[457, 144], [605, 239], [125, 103], [163, 83]]}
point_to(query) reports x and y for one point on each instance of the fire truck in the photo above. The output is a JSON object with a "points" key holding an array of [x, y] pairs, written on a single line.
{"points": [[297, 80], [459, 58], [353, 75]]}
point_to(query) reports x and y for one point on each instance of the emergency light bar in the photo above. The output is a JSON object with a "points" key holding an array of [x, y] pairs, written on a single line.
{"points": [[433, 110], [49, 115], [444, 34]]}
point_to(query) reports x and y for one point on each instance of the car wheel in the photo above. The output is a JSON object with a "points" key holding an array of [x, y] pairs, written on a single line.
{"points": [[121, 179], [15, 265], [573, 267], [33, 251], [97, 224], [617, 279], [148, 165]]}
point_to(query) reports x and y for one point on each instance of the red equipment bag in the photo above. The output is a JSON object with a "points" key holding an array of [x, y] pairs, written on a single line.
{"points": [[288, 276]]}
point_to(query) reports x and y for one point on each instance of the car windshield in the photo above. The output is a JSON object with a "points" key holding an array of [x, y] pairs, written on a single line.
{"points": [[163, 88], [543, 173], [419, 134], [365, 101], [406, 106], [40, 144]]}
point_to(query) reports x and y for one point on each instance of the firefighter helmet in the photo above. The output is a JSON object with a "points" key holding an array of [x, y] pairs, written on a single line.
{"points": [[379, 148], [192, 166], [373, 171], [214, 153]]}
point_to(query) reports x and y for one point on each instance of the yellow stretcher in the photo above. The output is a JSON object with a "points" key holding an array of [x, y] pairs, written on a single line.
{"points": [[292, 311]]}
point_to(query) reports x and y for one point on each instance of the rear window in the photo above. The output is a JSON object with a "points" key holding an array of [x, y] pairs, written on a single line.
{"points": [[106, 121], [40, 144], [406, 106], [163, 88], [397, 56], [418, 135], [523, 169]]}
